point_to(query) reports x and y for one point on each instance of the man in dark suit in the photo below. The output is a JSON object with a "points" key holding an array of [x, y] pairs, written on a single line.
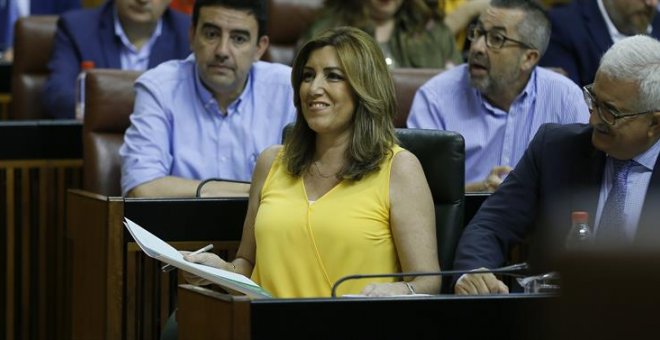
{"points": [[121, 34], [584, 29], [608, 168]]}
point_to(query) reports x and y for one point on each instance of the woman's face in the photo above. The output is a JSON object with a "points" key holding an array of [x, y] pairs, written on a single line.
{"points": [[383, 9], [326, 98]]}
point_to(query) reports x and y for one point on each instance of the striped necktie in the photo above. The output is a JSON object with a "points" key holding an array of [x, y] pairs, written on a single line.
{"points": [[612, 220]]}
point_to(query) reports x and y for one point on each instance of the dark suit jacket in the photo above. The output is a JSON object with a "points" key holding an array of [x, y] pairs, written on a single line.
{"points": [[89, 34], [561, 172], [44, 7], [580, 38]]}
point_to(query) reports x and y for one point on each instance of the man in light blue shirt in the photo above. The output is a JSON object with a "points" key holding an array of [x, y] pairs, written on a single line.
{"points": [[210, 115], [608, 169], [498, 100]]}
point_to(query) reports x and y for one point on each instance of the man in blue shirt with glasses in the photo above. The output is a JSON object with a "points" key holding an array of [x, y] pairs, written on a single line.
{"points": [[499, 99]]}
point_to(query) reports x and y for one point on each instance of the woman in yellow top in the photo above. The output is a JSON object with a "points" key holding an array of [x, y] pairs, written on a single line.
{"points": [[340, 197]]}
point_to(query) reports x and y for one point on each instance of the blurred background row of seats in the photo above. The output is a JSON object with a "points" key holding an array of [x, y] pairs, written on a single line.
{"points": [[288, 19], [30, 69]]}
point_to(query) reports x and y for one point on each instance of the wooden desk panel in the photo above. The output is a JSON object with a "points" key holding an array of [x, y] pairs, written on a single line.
{"points": [[132, 297], [37, 165], [204, 314]]}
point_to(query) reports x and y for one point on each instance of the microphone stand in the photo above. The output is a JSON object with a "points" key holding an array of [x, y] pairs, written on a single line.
{"points": [[198, 192], [508, 270]]}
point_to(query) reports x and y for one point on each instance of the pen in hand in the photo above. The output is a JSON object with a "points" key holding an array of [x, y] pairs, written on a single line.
{"points": [[168, 267]]}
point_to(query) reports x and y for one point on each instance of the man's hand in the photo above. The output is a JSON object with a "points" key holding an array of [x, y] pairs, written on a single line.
{"points": [[480, 284], [496, 177], [492, 181]]}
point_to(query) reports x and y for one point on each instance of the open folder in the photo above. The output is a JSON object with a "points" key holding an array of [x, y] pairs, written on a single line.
{"points": [[160, 250]]}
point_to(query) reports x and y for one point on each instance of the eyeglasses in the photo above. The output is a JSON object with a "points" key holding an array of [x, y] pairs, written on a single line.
{"points": [[494, 39], [607, 114]]}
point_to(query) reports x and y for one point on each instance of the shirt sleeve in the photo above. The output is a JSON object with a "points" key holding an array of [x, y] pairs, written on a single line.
{"points": [[424, 113], [574, 107], [146, 152]]}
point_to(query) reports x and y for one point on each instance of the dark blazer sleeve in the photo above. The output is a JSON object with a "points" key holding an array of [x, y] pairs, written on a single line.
{"points": [[64, 66], [173, 43], [44, 7], [561, 51], [507, 216]]}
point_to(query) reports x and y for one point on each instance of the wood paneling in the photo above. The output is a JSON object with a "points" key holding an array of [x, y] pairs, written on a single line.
{"points": [[32, 198], [116, 291]]}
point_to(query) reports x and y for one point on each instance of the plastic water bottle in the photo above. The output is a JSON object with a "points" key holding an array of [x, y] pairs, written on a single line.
{"points": [[580, 236], [80, 88]]}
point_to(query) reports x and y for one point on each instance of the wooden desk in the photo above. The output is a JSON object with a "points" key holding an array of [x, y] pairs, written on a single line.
{"points": [[206, 314], [5, 76], [117, 292], [39, 160], [132, 298], [5, 101]]}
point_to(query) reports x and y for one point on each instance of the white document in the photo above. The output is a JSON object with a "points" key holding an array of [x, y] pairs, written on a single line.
{"points": [[160, 250]]}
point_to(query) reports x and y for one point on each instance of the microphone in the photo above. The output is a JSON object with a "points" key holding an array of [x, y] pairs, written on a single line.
{"points": [[511, 270], [198, 192]]}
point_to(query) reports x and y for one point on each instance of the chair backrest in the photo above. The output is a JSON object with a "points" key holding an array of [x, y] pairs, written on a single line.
{"points": [[33, 42], [442, 155], [109, 97], [406, 83], [288, 20]]}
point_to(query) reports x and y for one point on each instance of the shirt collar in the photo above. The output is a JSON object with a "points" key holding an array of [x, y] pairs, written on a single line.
{"points": [[529, 91], [209, 102], [649, 157], [119, 32], [614, 32]]}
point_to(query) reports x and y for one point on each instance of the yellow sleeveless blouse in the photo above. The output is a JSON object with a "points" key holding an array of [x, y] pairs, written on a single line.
{"points": [[303, 248]]}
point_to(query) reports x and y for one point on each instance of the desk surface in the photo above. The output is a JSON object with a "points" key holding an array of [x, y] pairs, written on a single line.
{"points": [[40, 139], [424, 317], [188, 219]]}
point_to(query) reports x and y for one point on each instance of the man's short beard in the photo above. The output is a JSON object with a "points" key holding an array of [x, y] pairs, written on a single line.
{"points": [[491, 86], [483, 84]]}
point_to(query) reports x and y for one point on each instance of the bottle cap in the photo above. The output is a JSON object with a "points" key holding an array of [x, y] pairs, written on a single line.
{"points": [[580, 217], [87, 64]]}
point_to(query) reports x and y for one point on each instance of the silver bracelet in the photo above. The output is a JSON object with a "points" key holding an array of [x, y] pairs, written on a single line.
{"points": [[410, 287]]}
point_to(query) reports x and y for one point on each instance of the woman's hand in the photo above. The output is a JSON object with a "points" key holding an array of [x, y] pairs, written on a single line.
{"points": [[207, 259], [386, 289]]}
